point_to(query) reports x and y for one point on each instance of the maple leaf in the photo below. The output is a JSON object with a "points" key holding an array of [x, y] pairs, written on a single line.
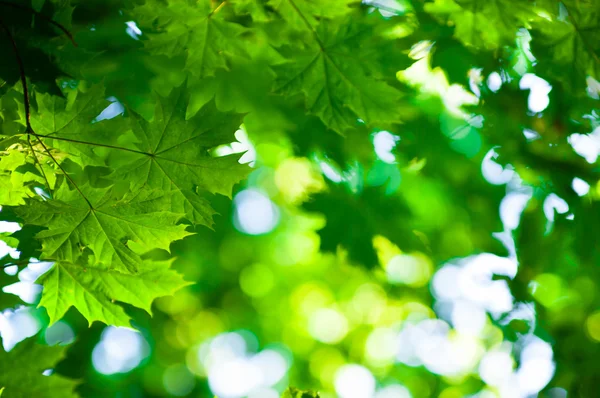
{"points": [[369, 213], [62, 123], [305, 14], [172, 154], [15, 186], [114, 190], [484, 24], [193, 28], [336, 85], [569, 43], [94, 290], [21, 372], [167, 153], [256, 8], [116, 231]]}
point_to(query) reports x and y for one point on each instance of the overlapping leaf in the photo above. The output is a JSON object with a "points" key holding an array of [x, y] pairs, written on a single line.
{"points": [[293, 392], [485, 24], [91, 225], [21, 372], [305, 14], [192, 28], [168, 153], [15, 187], [7, 300], [334, 76], [65, 123], [255, 8], [99, 221], [172, 155], [569, 43]]}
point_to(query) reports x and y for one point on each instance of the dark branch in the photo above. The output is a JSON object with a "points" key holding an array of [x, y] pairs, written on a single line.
{"points": [[42, 16], [21, 74], [28, 113], [18, 263]]}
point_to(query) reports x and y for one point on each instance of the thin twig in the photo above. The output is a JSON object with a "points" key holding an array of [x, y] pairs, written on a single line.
{"points": [[42, 16], [21, 73], [17, 263], [30, 130]]}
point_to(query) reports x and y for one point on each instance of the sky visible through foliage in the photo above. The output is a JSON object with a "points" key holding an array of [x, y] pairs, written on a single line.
{"points": [[300, 198]]}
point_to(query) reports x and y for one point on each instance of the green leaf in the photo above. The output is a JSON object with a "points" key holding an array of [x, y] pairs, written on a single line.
{"points": [[195, 28], [111, 232], [569, 43], [11, 118], [306, 14], [21, 372], [22, 240], [256, 8], [94, 291], [293, 392], [335, 78], [172, 154], [353, 220], [485, 24], [167, 153], [7, 300], [62, 123], [16, 178]]}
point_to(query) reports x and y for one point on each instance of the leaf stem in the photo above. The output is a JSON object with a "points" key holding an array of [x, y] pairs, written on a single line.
{"points": [[218, 8], [17, 263]]}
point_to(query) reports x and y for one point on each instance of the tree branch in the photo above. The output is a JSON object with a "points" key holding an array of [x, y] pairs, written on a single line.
{"points": [[42, 16], [21, 73], [28, 113]]}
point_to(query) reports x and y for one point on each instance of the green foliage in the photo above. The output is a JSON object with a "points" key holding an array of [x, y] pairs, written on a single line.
{"points": [[569, 42], [8, 300], [296, 393], [120, 123], [486, 25], [115, 231], [337, 91], [21, 372], [94, 290]]}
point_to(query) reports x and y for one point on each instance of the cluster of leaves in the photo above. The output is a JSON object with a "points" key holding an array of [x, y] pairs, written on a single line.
{"points": [[112, 110]]}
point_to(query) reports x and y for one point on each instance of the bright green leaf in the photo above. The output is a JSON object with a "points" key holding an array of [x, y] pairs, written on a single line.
{"points": [[113, 233], [94, 291]]}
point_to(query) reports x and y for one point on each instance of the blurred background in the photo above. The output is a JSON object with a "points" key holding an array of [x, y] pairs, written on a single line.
{"points": [[422, 261]]}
